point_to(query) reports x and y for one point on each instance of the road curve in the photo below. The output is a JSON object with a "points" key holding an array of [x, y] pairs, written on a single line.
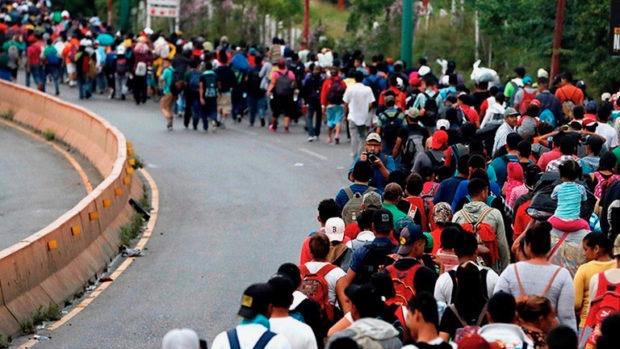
{"points": [[233, 206]]}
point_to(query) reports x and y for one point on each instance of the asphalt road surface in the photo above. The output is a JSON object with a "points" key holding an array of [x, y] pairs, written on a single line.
{"points": [[235, 204], [37, 185]]}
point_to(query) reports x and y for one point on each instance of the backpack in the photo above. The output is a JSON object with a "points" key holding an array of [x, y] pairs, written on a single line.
{"points": [[460, 117], [91, 71], [435, 164], [431, 110], [511, 100], [403, 282], [352, 209], [194, 81], [52, 58], [525, 102], [315, 287], [413, 145], [253, 83], [485, 234], [467, 329], [121, 65], [233, 339], [391, 122], [458, 150], [336, 92], [522, 294], [210, 84], [339, 254], [284, 87], [604, 303], [483, 284], [73, 53], [140, 69], [377, 259]]}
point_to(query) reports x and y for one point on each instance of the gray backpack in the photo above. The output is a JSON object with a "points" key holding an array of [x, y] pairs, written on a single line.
{"points": [[353, 207]]}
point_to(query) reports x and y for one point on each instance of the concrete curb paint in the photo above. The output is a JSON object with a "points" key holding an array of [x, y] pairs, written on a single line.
{"points": [[31, 273]]}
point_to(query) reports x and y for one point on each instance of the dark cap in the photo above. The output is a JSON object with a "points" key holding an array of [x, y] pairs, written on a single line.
{"points": [[595, 141], [383, 221], [513, 139], [255, 300], [408, 236]]}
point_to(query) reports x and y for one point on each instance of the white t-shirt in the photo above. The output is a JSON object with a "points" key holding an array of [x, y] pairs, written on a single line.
{"points": [[248, 336], [443, 287], [332, 277], [609, 133], [435, 341], [358, 97], [299, 335]]}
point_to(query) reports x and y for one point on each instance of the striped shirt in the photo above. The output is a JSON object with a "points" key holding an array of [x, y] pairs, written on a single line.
{"points": [[569, 196], [554, 166]]}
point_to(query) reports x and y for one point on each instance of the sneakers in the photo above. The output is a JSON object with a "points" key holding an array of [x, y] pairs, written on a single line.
{"points": [[262, 122], [312, 138], [337, 140], [169, 125]]}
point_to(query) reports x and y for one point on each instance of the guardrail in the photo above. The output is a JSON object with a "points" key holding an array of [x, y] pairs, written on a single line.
{"points": [[55, 263]]}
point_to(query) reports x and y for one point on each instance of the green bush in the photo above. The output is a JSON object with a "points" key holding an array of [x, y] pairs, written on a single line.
{"points": [[49, 135]]}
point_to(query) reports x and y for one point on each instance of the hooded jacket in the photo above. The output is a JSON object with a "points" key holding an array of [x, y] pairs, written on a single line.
{"points": [[370, 333], [495, 220]]}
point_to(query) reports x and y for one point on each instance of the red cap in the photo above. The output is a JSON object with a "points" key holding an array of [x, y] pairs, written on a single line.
{"points": [[440, 140], [535, 102]]}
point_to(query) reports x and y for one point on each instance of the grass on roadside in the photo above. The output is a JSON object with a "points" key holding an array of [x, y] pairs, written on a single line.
{"points": [[49, 135], [42, 314], [7, 114]]}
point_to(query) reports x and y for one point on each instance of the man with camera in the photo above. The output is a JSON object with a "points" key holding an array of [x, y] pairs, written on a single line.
{"points": [[382, 164]]}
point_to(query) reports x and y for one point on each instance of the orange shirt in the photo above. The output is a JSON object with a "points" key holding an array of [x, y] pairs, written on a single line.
{"points": [[570, 92]]}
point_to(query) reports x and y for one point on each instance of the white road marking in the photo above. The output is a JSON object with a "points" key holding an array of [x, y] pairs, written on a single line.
{"points": [[311, 153]]}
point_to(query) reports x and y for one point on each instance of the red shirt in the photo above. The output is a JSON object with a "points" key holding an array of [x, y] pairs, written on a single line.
{"points": [[436, 234], [327, 85], [418, 203], [400, 98], [471, 114], [547, 157], [522, 219], [305, 256], [34, 54]]}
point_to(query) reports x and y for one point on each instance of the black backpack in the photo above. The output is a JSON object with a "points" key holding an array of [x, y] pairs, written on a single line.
{"points": [[391, 125], [284, 87], [413, 145], [376, 260], [253, 83], [431, 110], [483, 284], [336, 92], [435, 164]]}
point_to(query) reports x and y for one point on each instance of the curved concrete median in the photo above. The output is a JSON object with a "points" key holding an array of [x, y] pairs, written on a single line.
{"points": [[54, 264]]}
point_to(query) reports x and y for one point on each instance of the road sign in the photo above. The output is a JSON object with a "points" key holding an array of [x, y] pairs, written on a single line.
{"points": [[614, 28], [163, 8]]}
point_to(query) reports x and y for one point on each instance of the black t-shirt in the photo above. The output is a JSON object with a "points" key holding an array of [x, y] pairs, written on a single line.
{"points": [[311, 312], [226, 78]]}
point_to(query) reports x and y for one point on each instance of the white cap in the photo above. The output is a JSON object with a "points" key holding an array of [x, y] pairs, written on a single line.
{"points": [[606, 96], [64, 14], [184, 338], [443, 123], [334, 229], [541, 73], [424, 70], [148, 31]]}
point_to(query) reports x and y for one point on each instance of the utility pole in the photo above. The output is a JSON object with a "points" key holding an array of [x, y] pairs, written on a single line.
{"points": [[557, 37], [110, 12], [406, 40], [305, 41], [341, 5]]}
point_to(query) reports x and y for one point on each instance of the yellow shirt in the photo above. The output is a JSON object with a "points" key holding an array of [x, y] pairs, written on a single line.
{"points": [[582, 285]]}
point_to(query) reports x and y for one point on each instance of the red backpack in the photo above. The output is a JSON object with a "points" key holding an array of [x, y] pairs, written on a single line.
{"points": [[314, 285], [403, 283], [485, 234], [525, 102], [604, 303]]}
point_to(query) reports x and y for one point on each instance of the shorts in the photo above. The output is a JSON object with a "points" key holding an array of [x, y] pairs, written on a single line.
{"points": [[224, 103], [70, 68], [282, 106], [335, 114]]}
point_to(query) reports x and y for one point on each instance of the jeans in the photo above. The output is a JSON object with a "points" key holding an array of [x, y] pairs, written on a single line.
{"points": [[190, 97], [238, 103], [314, 113], [84, 86], [179, 106], [257, 106], [358, 138], [101, 82], [37, 74], [54, 71], [121, 85], [198, 114]]}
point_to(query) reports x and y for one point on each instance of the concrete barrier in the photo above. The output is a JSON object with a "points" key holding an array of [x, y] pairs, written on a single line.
{"points": [[56, 262]]}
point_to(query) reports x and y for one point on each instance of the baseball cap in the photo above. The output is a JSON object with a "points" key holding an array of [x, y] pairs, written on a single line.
{"points": [[383, 221], [412, 113], [410, 234], [589, 123], [443, 124], [510, 112], [594, 140], [473, 341], [440, 140], [371, 199], [541, 73], [591, 107], [255, 300], [442, 213], [527, 80], [334, 229], [606, 96], [373, 136], [617, 246], [180, 338]]}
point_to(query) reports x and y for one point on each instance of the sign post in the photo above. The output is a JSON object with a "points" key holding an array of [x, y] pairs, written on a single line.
{"points": [[163, 8], [614, 28]]}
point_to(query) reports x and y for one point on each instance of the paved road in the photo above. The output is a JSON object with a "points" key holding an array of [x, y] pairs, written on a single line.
{"points": [[234, 205], [37, 185]]}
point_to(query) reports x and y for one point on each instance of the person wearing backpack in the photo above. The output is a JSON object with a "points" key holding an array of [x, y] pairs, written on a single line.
{"points": [[466, 251], [14, 49], [500, 163], [358, 101], [282, 93], [604, 299], [428, 102], [412, 138], [332, 93], [226, 82], [323, 281], [253, 331], [121, 74], [486, 223], [360, 176], [373, 257], [339, 253], [537, 276], [192, 97], [298, 334], [567, 92], [524, 95], [511, 88], [433, 158], [142, 60], [389, 124], [257, 98], [207, 92], [422, 322], [400, 98], [311, 93], [53, 65]]}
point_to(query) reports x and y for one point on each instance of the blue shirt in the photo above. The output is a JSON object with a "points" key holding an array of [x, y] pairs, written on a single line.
{"points": [[360, 254], [462, 192], [447, 188], [569, 196], [500, 164], [342, 198], [377, 180]]}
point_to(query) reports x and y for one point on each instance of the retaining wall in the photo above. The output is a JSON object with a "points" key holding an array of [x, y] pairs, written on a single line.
{"points": [[56, 262]]}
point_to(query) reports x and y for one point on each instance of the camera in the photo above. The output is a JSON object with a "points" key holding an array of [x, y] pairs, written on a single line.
{"points": [[372, 157]]}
